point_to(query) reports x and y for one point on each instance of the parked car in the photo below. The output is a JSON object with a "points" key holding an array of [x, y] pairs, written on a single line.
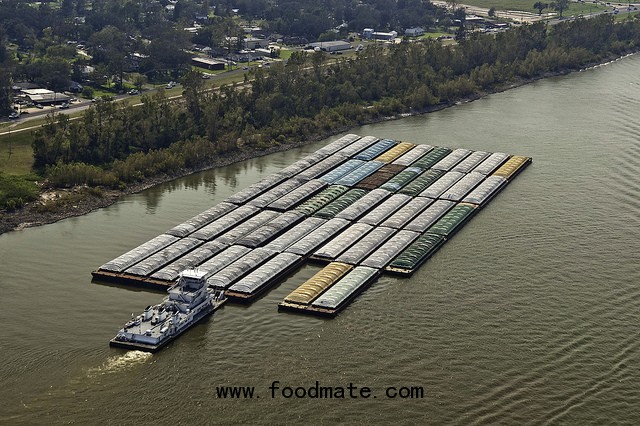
{"points": [[134, 92], [14, 115], [39, 106], [64, 105]]}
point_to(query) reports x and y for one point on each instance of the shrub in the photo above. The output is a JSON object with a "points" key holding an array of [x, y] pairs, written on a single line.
{"points": [[15, 191]]}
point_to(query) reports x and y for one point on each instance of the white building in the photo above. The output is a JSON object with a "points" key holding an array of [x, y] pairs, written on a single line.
{"points": [[255, 43], [330, 46], [414, 32], [377, 35]]}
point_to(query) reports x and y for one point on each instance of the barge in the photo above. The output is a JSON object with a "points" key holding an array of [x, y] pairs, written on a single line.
{"points": [[375, 205], [338, 295]]}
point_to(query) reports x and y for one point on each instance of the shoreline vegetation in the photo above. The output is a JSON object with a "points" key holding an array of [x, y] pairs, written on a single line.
{"points": [[118, 150]]}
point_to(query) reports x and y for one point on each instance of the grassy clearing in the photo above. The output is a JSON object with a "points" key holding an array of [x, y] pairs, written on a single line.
{"points": [[16, 154], [285, 53], [624, 16], [582, 9], [15, 191], [434, 34], [527, 6], [524, 5]]}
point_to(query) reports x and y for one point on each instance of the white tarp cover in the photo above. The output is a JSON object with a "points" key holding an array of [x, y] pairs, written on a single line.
{"points": [[358, 146], [445, 182], [340, 291], [323, 166], [163, 257], [256, 189], [364, 204], [484, 191], [190, 260], [289, 200], [225, 222], [232, 273], [428, 217], [385, 209], [389, 250], [466, 165], [491, 163], [339, 144], [452, 159], [135, 255], [412, 155], [311, 241], [407, 212], [366, 245], [234, 234], [201, 220], [294, 234], [343, 241], [260, 276], [463, 186], [271, 228], [222, 259], [276, 192]]}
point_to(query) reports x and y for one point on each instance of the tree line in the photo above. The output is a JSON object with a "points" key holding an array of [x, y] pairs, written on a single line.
{"points": [[115, 144]]}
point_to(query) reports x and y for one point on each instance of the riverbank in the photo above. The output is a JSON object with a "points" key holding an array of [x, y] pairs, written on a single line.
{"points": [[55, 205]]}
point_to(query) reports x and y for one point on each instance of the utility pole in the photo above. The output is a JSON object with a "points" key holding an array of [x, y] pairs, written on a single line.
{"points": [[10, 147]]}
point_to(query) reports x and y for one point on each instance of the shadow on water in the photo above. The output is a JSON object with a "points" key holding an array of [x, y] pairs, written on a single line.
{"points": [[134, 287]]}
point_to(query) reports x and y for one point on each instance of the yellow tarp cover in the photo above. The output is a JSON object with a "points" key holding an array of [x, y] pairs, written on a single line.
{"points": [[318, 283]]}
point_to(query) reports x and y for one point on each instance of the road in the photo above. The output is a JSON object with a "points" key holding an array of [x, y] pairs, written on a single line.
{"points": [[83, 104], [519, 16]]}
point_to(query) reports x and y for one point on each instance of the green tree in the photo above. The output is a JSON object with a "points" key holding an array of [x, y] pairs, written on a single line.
{"points": [[540, 6], [138, 80], [5, 91], [111, 50], [560, 6]]}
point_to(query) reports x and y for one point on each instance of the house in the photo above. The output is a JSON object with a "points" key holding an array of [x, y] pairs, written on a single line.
{"points": [[208, 63], [369, 33], [245, 56], [86, 69], [252, 30], [414, 32], [252, 43], [75, 87]]}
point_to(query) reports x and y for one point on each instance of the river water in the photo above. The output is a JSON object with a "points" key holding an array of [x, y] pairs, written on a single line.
{"points": [[529, 315]]}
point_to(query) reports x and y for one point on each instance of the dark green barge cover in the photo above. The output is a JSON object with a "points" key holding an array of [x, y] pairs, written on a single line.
{"points": [[419, 251], [341, 203], [455, 217]]}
